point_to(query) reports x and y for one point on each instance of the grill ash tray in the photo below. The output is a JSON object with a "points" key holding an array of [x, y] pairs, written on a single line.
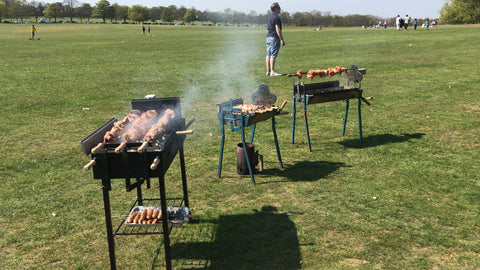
{"points": [[145, 216]]}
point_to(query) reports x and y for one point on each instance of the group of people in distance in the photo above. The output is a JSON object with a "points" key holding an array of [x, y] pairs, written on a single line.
{"points": [[403, 23]]}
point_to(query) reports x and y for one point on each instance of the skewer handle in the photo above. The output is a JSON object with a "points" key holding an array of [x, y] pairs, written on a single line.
{"points": [[97, 148], [155, 163], [90, 165], [120, 148], [190, 122], [184, 132], [283, 105], [142, 147]]}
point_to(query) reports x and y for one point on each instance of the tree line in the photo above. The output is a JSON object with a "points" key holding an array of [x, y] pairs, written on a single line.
{"points": [[454, 11]]}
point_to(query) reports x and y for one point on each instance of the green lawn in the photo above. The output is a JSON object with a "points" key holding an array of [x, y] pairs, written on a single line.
{"points": [[407, 198]]}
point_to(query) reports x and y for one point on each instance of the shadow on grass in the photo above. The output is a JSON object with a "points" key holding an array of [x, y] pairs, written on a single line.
{"points": [[306, 171], [376, 140], [261, 240]]}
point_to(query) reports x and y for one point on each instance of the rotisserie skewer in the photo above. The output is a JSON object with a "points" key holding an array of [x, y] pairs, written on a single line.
{"points": [[157, 130], [118, 128], [137, 129]]}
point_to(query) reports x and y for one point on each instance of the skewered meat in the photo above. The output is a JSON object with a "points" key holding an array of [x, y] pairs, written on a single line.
{"points": [[325, 72], [119, 127], [299, 73], [136, 128], [161, 127]]}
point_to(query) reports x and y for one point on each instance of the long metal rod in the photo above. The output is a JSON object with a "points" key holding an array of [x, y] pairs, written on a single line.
{"points": [[294, 115], [184, 176], [166, 231], [221, 152], [347, 102], [360, 119], [305, 102], [276, 143], [253, 132], [108, 222]]}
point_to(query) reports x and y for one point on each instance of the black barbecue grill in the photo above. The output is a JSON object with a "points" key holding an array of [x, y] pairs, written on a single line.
{"points": [[139, 167], [314, 93]]}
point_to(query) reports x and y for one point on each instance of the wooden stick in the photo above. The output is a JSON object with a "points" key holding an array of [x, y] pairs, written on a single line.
{"points": [[155, 163], [90, 165], [121, 147], [184, 132], [97, 148], [142, 147]]}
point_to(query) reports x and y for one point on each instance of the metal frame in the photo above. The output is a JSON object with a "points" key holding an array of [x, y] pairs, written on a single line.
{"points": [[301, 97], [237, 122]]}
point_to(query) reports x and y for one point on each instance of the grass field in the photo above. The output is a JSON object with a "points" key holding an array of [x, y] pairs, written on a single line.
{"points": [[407, 198]]}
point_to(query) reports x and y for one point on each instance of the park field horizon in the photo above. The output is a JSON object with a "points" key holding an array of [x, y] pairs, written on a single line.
{"points": [[406, 198]]}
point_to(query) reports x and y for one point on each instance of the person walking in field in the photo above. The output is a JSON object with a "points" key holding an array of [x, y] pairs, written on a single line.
{"points": [[32, 31], [274, 39], [415, 23], [398, 22], [148, 30], [407, 21]]}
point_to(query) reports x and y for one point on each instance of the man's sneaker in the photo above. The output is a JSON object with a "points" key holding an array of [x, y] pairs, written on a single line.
{"points": [[273, 73]]}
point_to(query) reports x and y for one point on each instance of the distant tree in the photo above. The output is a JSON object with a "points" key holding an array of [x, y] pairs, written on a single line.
{"points": [[227, 16], [122, 12], [69, 8], [103, 10], [3, 10], [214, 17], [18, 10], [84, 11], [179, 13], [156, 13], [167, 14], [54, 10], [139, 13], [285, 17], [460, 11], [190, 16]]}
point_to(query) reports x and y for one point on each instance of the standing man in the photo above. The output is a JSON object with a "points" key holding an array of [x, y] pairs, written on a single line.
{"points": [[33, 30], [274, 39], [407, 21]]}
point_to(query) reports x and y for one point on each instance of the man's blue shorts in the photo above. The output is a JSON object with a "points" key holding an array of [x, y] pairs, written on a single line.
{"points": [[273, 46]]}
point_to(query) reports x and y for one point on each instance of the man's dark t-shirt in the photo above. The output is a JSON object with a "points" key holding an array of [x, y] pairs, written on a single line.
{"points": [[273, 20]]}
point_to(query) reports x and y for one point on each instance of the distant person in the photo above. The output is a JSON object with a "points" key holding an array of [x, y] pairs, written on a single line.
{"points": [[397, 21], [143, 29], [407, 21], [371, 23], [148, 30], [385, 24], [427, 24], [415, 23], [274, 38], [32, 31]]}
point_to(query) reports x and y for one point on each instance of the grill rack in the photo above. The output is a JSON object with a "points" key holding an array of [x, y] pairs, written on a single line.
{"points": [[234, 118], [307, 94]]}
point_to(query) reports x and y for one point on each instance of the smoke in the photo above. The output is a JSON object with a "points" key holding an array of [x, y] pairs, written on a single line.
{"points": [[229, 76]]}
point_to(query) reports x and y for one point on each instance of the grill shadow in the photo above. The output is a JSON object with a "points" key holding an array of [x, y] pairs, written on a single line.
{"points": [[305, 171], [381, 139], [261, 240]]}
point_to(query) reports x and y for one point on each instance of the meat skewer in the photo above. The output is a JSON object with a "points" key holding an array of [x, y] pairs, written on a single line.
{"points": [[137, 129], [118, 128], [158, 129]]}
